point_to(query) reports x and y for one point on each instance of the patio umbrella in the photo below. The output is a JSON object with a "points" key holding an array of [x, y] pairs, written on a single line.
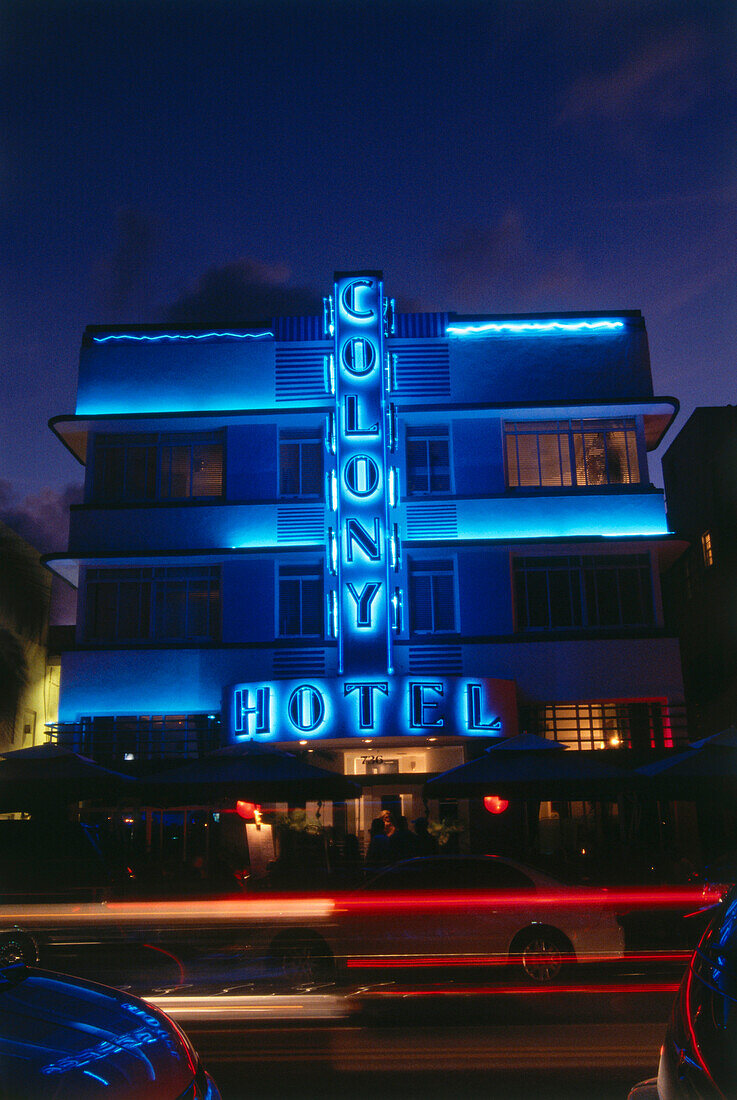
{"points": [[532, 767], [52, 774], [726, 739], [249, 771], [707, 769]]}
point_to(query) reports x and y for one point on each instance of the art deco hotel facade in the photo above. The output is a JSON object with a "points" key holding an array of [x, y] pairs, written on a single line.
{"points": [[380, 537]]}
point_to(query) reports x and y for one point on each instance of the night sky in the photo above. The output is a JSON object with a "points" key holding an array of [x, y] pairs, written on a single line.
{"points": [[174, 161]]}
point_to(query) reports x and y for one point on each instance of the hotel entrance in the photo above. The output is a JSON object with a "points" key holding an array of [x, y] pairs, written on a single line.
{"points": [[392, 774]]}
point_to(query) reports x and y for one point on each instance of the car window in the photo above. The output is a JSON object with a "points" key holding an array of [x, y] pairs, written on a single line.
{"points": [[452, 874], [414, 875]]}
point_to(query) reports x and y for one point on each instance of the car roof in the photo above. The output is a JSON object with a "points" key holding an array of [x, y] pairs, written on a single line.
{"points": [[539, 878]]}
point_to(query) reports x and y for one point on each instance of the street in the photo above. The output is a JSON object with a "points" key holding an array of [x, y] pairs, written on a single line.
{"points": [[551, 1046]]}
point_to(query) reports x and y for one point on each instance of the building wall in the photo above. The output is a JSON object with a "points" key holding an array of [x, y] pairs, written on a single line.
{"points": [[700, 473], [25, 591], [253, 391]]}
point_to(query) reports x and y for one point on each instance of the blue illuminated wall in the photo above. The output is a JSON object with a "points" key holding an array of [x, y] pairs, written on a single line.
{"points": [[534, 368], [175, 377], [360, 384]]}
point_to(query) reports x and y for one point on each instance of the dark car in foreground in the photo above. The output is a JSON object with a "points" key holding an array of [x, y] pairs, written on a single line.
{"points": [[67, 1039], [698, 1059]]}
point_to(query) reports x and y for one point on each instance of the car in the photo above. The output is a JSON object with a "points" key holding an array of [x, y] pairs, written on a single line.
{"points": [[698, 1058], [429, 911], [69, 1039]]}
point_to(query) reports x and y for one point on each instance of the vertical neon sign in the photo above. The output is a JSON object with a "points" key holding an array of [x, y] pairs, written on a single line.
{"points": [[363, 634]]}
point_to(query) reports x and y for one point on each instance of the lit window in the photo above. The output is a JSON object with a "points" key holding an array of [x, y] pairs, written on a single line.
{"points": [[158, 466], [432, 597], [557, 453], [301, 465], [580, 592], [301, 601], [706, 549], [638, 723], [428, 461]]}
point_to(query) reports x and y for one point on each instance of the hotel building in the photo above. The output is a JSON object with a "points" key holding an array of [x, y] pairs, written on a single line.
{"points": [[381, 538]]}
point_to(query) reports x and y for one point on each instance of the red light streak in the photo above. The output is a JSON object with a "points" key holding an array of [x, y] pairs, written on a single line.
{"points": [[523, 990], [408, 962], [634, 898], [191, 1060], [694, 1041], [169, 955], [308, 906]]}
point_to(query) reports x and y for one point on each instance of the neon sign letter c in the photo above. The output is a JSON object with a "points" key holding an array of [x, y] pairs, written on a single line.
{"points": [[348, 300]]}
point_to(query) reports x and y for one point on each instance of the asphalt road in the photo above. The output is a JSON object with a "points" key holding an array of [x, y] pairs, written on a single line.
{"points": [[561, 1046]]}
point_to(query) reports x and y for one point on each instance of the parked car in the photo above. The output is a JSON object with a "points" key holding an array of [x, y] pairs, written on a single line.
{"points": [[461, 910], [67, 1039], [698, 1059]]}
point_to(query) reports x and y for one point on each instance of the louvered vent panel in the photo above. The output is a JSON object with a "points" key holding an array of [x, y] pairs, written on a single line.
{"points": [[300, 372], [433, 520], [418, 325], [438, 660], [298, 328], [422, 369], [299, 662], [300, 524]]}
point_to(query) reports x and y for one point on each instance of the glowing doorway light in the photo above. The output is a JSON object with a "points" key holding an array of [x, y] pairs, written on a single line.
{"points": [[491, 327]]}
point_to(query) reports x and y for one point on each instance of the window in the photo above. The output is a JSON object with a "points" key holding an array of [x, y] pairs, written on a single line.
{"points": [[578, 592], [175, 604], [432, 597], [448, 873], [158, 466], [639, 723], [301, 465], [301, 601], [707, 552], [29, 728], [428, 461], [148, 736], [548, 454]]}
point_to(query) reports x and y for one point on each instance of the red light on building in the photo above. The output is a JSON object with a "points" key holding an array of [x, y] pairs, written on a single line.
{"points": [[246, 810], [494, 804]]}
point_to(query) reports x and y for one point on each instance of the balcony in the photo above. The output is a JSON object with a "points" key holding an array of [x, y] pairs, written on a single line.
{"points": [[522, 515], [162, 528]]}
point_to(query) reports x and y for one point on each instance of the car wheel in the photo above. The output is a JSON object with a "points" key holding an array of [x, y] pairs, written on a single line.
{"points": [[301, 959], [545, 954], [17, 949]]}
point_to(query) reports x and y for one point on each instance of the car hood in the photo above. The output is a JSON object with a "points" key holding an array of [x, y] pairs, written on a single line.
{"points": [[72, 1040]]}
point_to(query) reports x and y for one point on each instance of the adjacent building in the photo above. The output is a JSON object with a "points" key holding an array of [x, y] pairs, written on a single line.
{"points": [[700, 472], [29, 667], [381, 538]]}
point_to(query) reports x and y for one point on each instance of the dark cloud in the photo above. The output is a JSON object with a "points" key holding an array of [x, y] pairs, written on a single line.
{"points": [[659, 82], [125, 275], [41, 519], [243, 292], [499, 268]]}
